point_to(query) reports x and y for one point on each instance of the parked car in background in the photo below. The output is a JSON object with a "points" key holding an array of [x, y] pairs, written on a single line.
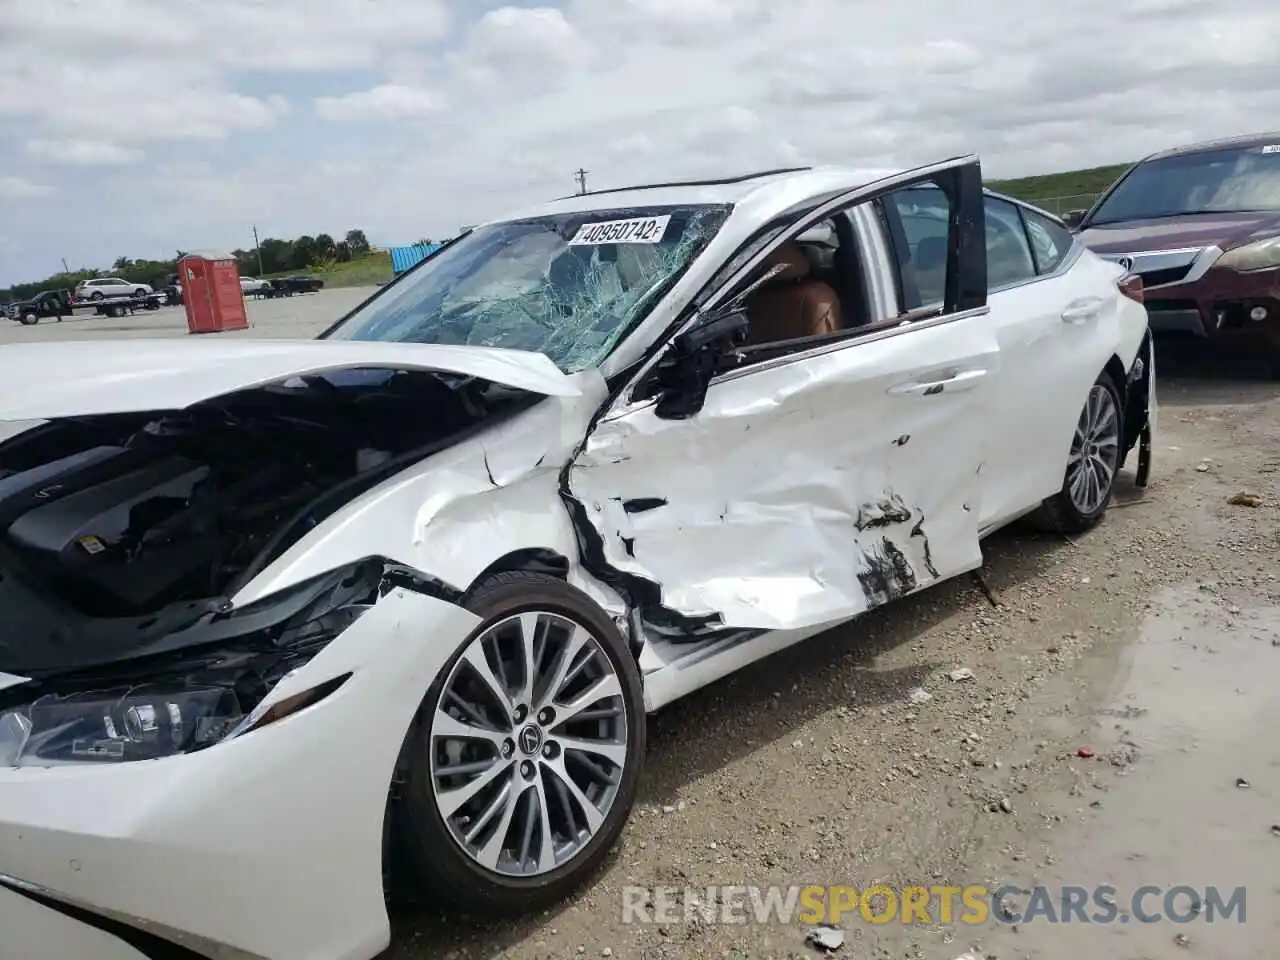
{"points": [[110, 287], [1201, 225], [289, 620], [251, 285], [47, 303], [288, 286]]}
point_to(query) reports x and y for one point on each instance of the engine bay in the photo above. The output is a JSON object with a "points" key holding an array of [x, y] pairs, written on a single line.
{"points": [[123, 515]]}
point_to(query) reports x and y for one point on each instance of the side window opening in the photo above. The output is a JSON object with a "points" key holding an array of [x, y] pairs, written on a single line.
{"points": [[1009, 259], [804, 299], [833, 279], [820, 289], [1050, 243]]}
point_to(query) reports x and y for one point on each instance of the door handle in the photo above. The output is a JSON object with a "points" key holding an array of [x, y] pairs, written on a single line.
{"points": [[1083, 310], [952, 382]]}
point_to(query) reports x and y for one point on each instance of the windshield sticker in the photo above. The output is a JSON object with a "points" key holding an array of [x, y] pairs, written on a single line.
{"points": [[637, 230], [1271, 148]]}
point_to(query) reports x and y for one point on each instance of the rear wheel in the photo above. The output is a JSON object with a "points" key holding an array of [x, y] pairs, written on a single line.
{"points": [[139, 292], [96, 295], [1092, 464], [524, 760]]}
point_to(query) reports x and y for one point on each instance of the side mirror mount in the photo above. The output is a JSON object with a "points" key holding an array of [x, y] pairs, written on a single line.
{"points": [[721, 328], [683, 375], [694, 358], [1073, 218]]}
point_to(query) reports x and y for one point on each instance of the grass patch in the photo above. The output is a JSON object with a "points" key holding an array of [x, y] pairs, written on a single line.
{"points": [[1060, 192], [365, 272]]}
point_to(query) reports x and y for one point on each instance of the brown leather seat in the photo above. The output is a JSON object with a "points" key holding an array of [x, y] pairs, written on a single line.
{"points": [[793, 304]]}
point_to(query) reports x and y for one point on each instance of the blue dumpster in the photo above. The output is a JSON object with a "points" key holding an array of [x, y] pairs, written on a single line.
{"points": [[405, 258]]}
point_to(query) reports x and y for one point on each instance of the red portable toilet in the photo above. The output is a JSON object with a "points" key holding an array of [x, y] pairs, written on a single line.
{"points": [[211, 292]]}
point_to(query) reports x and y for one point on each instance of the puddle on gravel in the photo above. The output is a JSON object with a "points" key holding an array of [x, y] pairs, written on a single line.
{"points": [[1201, 670], [1195, 710]]}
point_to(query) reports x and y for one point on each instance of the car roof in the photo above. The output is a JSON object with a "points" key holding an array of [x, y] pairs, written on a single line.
{"points": [[1242, 142], [760, 196], [766, 193]]}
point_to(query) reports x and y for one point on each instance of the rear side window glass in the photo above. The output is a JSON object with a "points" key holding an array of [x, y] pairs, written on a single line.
{"points": [[1008, 254], [925, 215], [1050, 243]]}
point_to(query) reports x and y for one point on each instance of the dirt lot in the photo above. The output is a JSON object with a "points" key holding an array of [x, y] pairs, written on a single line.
{"points": [[300, 316], [1153, 642]]}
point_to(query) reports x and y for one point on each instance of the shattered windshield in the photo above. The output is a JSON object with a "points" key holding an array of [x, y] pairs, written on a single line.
{"points": [[569, 286], [1221, 181]]}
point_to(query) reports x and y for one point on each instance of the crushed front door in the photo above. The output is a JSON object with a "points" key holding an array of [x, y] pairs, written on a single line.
{"points": [[802, 493], [815, 485]]}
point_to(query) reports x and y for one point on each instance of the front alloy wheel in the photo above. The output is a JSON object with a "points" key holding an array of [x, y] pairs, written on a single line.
{"points": [[529, 743], [525, 758]]}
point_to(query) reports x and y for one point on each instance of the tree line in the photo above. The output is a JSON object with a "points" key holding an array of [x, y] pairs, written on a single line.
{"points": [[277, 256]]}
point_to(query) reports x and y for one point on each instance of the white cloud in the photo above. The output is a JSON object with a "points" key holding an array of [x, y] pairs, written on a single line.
{"points": [[253, 34], [20, 188], [87, 153], [524, 40], [137, 71], [390, 101], [126, 100], [469, 111]]}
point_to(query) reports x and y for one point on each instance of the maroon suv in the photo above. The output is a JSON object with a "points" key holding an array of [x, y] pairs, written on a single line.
{"points": [[1201, 225]]}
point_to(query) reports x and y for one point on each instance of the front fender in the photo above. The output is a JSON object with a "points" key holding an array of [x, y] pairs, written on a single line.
{"points": [[455, 514]]}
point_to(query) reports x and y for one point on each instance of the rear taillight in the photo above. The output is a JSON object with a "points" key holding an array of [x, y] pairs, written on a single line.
{"points": [[1131, 286]]}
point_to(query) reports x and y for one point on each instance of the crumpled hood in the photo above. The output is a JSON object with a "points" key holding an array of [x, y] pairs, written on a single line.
{"points": [[45, 381], [1224, 230]]}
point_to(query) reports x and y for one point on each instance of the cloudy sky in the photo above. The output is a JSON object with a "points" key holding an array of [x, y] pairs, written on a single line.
{"points": [[134, 127]]}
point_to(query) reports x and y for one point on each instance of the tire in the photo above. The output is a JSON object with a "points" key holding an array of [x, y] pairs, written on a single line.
{"points": [[426, 856], [140, 293], [30, 319], [96, 295], [1074, 510]]}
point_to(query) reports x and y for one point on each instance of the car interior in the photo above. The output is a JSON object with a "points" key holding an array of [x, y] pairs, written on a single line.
{"points": [[822, 291]]}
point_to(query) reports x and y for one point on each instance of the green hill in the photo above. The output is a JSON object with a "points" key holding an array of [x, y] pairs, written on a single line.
{"points": [[1060, 192]]}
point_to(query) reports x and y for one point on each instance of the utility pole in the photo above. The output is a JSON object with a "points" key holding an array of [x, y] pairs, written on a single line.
{"points": [[581, 177], [65, 268], [258, 247]]}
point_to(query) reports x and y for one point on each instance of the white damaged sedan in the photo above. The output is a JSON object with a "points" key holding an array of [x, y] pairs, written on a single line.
{"points": [[287, 625]]}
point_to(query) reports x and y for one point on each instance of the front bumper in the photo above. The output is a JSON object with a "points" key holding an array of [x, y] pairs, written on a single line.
{"points": [[1218, 307], [266, 846]]}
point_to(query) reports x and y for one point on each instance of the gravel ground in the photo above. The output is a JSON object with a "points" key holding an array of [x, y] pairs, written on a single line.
{"points": [[304, 315], [1154, 641], [1146, 641]]}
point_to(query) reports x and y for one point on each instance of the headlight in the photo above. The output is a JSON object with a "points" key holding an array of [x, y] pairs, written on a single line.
{"points": [[191, 699], [123, 724], [1260, 255]]}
